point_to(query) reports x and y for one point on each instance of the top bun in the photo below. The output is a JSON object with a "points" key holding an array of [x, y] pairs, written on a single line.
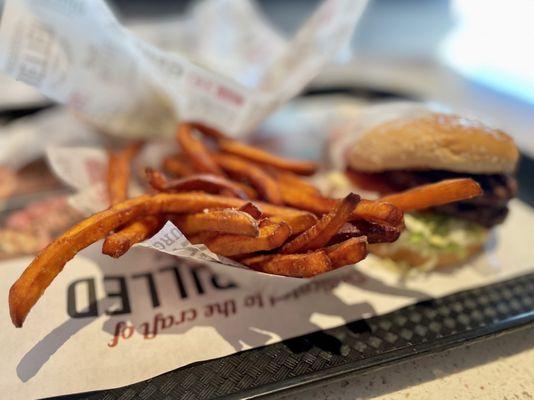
{"points": [[434, 141]]}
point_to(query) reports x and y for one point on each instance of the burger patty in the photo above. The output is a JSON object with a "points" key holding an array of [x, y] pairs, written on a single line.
{"points": [[487, 210]]}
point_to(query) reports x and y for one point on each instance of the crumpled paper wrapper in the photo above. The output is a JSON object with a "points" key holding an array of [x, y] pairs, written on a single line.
{"points": [[78, 54]]}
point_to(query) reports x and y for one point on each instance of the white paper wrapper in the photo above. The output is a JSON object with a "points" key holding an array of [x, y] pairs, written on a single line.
{"points": [[126, 334], [26, 138], [78, 54], [17, 94]]}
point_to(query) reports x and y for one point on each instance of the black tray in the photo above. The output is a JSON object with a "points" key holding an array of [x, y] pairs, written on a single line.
{"points": [[426, 327]]}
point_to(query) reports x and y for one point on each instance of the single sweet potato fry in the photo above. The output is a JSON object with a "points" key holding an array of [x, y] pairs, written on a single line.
{"points": [[201, 182], [120, 242], [259, 179], [196, 152], [177, 166], [378, 232], [201, 237], [271, 236], [314, 203], [222, 221], [179, 203], [435, 194], [348, 252], [260, 156], [321, 233], [346, 232], [294, 265], [44, 268], [119, 171], [378, 211], [291, 181], [207, 131], [198, 182]]}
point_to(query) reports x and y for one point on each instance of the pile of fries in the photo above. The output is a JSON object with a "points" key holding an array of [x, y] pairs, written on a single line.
{"points": [[242, 203]]}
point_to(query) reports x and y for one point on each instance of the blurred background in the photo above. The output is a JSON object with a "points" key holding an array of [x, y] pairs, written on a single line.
{"points": [[472, 55]]}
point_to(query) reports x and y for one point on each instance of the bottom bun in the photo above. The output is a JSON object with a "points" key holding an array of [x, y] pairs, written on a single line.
{"points": [[426, 261]]}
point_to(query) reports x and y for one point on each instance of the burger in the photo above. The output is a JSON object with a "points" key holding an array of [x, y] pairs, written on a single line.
{"points": [[402, 153]]}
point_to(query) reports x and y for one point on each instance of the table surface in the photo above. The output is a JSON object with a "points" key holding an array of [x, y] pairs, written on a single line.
{"points": [[498, 368]]}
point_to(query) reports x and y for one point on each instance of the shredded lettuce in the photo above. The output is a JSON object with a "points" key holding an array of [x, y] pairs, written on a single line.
{"points": [[430, 234], [441, 232]]}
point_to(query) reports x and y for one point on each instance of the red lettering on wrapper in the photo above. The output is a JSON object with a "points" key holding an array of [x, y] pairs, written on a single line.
{"points": [[201, 83], [229, 96], [161, 322], [122, 330]]}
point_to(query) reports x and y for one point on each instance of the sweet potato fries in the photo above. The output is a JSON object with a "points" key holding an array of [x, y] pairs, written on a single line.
{"points": [[264, 215]]}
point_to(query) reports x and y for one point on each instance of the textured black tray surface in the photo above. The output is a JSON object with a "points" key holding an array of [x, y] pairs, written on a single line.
{"points": [[428, 326]]}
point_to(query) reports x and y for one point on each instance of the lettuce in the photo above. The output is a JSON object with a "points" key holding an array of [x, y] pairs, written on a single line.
{"points": [[430, 234], [439, 232]]}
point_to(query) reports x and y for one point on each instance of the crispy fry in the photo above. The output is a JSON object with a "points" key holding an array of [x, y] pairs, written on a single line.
{"points": [[157, 180], [252, 209], [435, 194], [196, 152], [178, 203], [291, 181], [348, 252], [316, 204], [177, 166], [251, 192], [195, 202], [119, 171], [271, 236], [259, 156], [50, 262], [374, 231], [346, 232], [378, 232], [45, 267], [222, 221], [260, 180], [294, 265], [201, 237], [198, 182], [378, 211], [321, 233], [120, 242]]}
